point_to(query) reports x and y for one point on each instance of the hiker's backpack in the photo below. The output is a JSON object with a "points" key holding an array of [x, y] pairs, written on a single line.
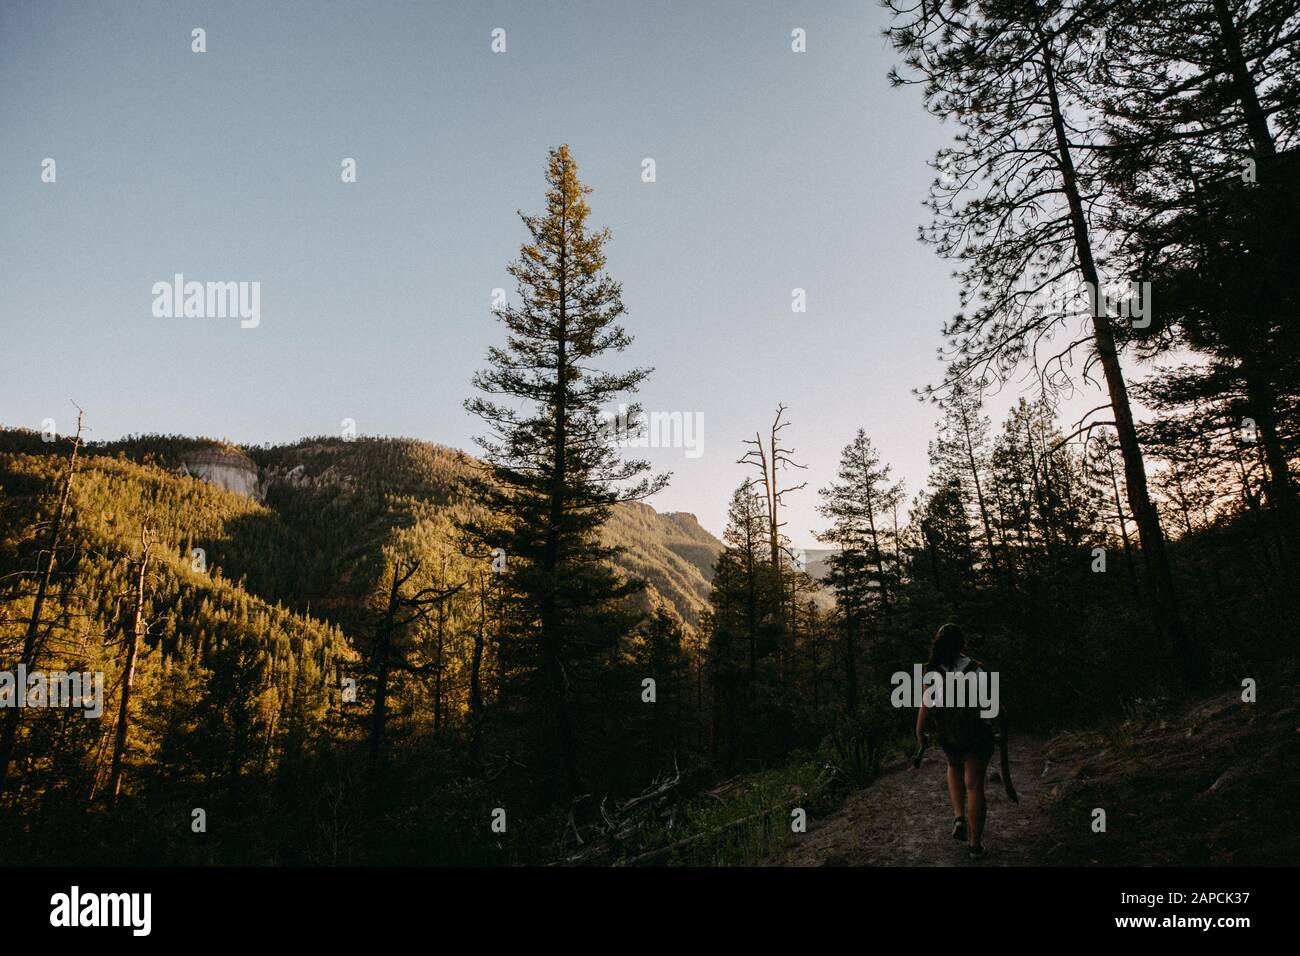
{"points": [[960, 727]]}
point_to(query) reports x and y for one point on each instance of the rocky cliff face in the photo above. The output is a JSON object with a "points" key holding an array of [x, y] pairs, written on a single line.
{"points": [[225, 467]]}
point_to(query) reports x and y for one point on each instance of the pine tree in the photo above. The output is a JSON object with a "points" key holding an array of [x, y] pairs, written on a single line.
{"points": [[743, 624], [1202, 123], [959, 454], [553, 474], [1015, 203], [948, 551], [858, 506]]}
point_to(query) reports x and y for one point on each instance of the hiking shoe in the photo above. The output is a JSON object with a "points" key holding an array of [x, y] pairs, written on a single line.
{"points": [[959, 829], [977, 852]]}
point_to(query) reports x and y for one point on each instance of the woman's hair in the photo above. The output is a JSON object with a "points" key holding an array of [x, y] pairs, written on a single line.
{"points": [[945, 647]]}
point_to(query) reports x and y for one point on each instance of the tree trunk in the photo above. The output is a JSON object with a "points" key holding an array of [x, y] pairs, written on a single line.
{"points": [[549, 612], [1281, 492], [1165, 606], [379, 710], [31, 639], [1243, 86], [128, 674], [1123, 527], [850, 664], [979, 492], [1260, 392], [437, 670], [751, 620], [476, 663]]}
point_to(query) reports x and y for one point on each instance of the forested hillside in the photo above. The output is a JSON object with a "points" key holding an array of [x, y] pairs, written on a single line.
{"points": [[258, 607], [261, 611], [328, 506]]}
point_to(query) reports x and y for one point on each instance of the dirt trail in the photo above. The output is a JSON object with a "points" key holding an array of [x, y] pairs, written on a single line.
{"points": [[1201, 783], [904, 819]]}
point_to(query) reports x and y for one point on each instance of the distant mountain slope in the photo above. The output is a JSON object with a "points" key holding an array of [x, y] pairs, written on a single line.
{"points": [[670, 551], [321, 511]]}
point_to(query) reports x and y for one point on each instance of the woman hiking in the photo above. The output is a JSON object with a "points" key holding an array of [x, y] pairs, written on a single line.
{"points": [[965, 738]]}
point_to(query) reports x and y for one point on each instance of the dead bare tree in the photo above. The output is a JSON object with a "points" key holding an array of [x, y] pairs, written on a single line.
{"points": [[770, 459]]}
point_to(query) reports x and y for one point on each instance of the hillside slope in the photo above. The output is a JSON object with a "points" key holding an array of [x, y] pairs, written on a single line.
{"points": [[326, 509], [216, 663]]}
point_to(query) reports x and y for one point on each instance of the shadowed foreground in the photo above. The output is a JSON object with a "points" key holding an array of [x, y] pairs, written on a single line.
{"points": [[1204, 785]]}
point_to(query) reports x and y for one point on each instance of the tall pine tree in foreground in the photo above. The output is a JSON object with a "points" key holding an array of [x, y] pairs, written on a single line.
{"points": [[1017, 203], [1202, 123], [552, 471]]}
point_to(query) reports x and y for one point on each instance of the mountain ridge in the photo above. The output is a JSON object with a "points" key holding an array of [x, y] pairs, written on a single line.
{"points": [[329, 499]]}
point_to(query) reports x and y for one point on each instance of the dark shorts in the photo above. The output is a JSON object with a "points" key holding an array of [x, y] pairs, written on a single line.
{"points": [[980, 744]]}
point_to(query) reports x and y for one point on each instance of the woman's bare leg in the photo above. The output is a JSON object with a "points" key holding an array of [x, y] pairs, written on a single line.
{"points": [[976, 808], [956, 791]]}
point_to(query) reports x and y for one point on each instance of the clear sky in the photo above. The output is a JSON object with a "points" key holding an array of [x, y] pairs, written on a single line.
{"points": [[775, 170]]}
